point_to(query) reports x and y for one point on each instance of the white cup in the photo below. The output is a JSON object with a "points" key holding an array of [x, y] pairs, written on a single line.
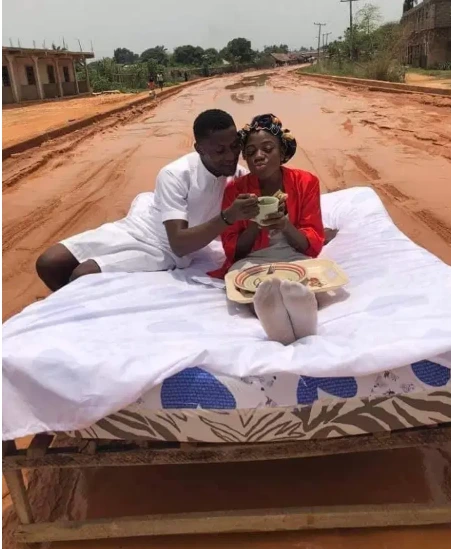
{"points": [[267, 205]]}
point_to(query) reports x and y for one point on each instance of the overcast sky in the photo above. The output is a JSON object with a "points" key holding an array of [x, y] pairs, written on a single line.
{"points": [[140, 24]]}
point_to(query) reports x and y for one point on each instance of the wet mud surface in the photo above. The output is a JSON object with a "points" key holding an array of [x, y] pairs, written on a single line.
{"points": [[399, 145]]}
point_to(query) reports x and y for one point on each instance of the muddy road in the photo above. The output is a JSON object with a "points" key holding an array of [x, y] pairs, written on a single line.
{"points": [[399, 144]]}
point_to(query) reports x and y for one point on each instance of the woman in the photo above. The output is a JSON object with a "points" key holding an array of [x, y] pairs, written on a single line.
{"points": [[287, 310]]}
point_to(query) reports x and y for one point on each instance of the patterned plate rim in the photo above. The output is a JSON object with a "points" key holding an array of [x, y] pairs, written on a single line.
{"points": [[246, 273]]}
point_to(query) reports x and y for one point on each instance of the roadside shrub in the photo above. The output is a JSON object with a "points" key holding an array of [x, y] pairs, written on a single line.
{"points": [[386, 69]]}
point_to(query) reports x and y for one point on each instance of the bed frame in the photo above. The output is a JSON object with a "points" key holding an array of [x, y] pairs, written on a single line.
{"points": [[45, 452]]}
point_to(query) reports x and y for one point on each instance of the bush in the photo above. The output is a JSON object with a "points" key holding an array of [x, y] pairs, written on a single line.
{"points": [[385, 69]]}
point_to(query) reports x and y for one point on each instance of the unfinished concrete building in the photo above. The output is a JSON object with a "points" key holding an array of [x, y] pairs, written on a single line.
{"points": [[35, 74], [428, 34]]}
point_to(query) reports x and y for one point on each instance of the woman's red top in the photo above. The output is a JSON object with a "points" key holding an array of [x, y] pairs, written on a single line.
{"points": [[303, 206]]}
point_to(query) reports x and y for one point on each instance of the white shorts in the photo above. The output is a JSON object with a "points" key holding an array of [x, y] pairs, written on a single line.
{"points": [[116, 251], [128, 245]]}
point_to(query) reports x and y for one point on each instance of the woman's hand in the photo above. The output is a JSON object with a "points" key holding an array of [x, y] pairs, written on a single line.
{"points": [[275, 222]]}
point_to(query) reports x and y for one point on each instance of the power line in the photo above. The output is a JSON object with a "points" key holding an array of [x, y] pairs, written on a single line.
{"points": [[351, 27], [320, 26]]}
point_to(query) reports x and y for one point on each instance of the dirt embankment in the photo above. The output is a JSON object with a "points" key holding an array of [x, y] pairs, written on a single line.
{"points": [[21, 122]]}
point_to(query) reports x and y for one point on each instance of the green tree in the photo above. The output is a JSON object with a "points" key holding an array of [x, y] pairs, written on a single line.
{"points": [[188, 55], [281, 48], [124, 56], [158, 54], [240, 49], [369, 18], [211, 57]]}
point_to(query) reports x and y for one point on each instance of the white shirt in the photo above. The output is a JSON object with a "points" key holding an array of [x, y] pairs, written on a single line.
{"points": [[186, 190]]}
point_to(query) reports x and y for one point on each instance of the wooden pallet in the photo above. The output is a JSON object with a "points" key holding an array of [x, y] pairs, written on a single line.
{"points": [[44, 452]]}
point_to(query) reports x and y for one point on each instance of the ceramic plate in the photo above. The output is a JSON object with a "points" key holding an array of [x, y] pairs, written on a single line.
{"points": [[250, 279]]}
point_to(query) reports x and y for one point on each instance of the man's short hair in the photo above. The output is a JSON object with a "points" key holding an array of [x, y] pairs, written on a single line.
{"points": [[211, 121]]}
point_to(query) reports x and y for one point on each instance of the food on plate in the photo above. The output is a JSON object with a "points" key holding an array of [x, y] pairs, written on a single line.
{"points": [[315, 282]]}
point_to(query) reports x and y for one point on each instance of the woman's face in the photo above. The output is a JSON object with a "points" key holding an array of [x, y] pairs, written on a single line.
{"points": [[262, 154]]}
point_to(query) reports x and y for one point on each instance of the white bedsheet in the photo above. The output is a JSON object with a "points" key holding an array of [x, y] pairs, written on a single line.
{"points": [[100, 343]]}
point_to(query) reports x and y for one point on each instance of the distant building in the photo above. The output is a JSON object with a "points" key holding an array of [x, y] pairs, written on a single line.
{"points": [[294, 58], [30, 74], [428, 30]]}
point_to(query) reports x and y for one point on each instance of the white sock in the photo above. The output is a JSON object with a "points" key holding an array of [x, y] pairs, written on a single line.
{"points": [[302, 308], [272, 313]]}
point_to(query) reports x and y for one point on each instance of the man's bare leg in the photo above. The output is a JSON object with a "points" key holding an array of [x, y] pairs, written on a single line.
{"points": [[86, 268], [56, 267]]}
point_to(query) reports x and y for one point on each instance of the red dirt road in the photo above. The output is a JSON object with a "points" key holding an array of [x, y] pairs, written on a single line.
{"points": [[400, 145]]}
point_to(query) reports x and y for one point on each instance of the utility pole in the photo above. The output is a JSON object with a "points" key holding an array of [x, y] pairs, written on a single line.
{"points": [[351, 27], [320, 26], [327, 38]]}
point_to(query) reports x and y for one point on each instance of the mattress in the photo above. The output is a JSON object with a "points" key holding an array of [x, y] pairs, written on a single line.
{"points": [[165, 355], [195, 405]]}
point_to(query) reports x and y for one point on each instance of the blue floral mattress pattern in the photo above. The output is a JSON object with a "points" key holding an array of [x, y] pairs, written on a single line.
{"points": [[195, 405]]}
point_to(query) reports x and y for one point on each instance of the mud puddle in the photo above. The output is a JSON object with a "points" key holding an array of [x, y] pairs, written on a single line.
{"points": [[250, 81]]}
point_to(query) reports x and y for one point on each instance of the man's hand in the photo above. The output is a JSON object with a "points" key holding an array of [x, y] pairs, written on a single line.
{"points": [[283, 204], [244, 208], [275, 222]]}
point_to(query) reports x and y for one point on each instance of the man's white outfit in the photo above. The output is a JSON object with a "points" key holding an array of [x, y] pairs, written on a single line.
{"points": [[185, 189]]}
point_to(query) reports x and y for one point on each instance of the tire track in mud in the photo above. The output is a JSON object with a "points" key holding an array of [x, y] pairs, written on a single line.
{"points": [[408, 204], [437, 225], [19, 230], [411, 207]]}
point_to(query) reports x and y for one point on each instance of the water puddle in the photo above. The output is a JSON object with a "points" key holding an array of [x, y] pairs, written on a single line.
{"points": [[249, 81], [243, 98]]}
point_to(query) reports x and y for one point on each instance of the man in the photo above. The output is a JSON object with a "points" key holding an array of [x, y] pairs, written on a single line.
{"points": [[184, 217], [160, 80]]}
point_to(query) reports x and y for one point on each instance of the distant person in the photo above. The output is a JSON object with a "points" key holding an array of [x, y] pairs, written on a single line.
{"points": [[160, 81], [183, 217], [186, 76], [151, 86]]}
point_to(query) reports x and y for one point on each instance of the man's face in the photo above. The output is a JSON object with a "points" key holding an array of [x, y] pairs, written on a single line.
{"points": [[220, 151]]}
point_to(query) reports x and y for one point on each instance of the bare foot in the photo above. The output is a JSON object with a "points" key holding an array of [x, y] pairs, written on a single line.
{"points": [[302, 308], [272, 313]]}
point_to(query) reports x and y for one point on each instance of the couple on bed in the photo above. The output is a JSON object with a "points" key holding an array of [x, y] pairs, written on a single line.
{"points": [[202, 196]]}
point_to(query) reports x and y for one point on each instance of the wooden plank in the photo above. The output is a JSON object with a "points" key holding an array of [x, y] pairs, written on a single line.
{"points": [[19, 496], [39, 444], [264, 520], [89, 448], [227, 453], [8, 447]]}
